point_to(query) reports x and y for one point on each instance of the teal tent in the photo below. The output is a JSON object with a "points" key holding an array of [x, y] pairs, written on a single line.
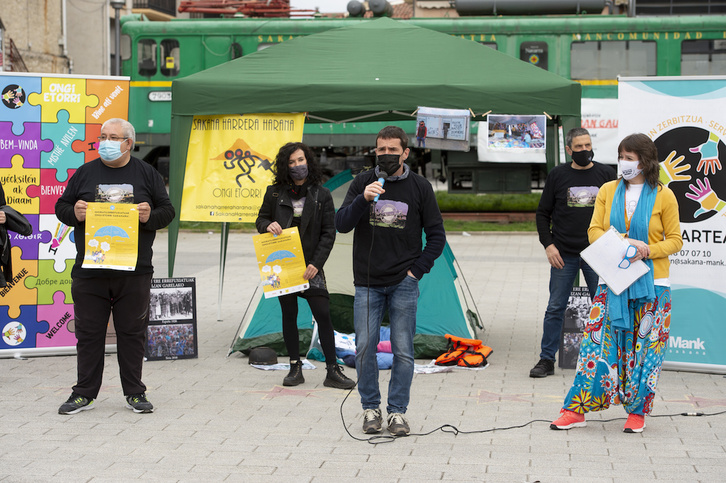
{"points": [[445, 305], [379, 70]]}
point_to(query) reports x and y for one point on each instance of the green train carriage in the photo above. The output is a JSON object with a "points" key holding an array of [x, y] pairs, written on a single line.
{"points": [[593, 50]]}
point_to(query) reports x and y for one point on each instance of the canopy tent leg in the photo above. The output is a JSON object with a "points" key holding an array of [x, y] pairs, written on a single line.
{"points": [[222, 262]]}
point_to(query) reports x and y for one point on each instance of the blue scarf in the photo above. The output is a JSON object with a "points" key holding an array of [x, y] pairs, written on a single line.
{"points": [[643, 289]]}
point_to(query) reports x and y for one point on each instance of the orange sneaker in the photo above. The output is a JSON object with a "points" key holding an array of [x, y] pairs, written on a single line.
{"points": [[635, 423], [569, 419]]}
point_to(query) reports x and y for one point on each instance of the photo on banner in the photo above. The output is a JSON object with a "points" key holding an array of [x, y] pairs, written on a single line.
{"points": [[512, 139], [684, 118], [576, 316], [281, 262], [230, 163], [172, 331], [442, 129]]}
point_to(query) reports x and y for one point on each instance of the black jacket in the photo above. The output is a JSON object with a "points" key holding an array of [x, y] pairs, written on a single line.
{"points": [[16, 222], [317, 225]]}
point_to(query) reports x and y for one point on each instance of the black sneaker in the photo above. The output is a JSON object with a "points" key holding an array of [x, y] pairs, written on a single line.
{"points": [[295, 376], [139, 404], [372, 421], [75, 404], [336, 378], [398, 425], [543, 368]]}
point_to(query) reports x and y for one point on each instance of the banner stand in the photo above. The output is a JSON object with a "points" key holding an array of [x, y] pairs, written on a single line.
{"points": [[49, 127], [694, 367], [25, 353], [684, 118]]}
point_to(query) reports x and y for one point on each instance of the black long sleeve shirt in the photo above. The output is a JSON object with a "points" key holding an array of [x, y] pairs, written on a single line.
{"points": [[389, 232], [146, 185]]}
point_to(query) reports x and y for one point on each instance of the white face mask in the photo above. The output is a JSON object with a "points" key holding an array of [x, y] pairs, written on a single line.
{"points": [[629, 169]]}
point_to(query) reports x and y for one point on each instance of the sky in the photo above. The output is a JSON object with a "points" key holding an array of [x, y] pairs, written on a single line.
{"points": [[326, 6]]}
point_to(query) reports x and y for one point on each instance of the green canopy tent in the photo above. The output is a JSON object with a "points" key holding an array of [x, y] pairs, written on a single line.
{"points": [[378, 70]]}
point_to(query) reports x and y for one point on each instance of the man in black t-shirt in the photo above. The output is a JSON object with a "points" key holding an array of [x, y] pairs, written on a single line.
{"points": [[389, 259], [563, 216], [115, 178]]}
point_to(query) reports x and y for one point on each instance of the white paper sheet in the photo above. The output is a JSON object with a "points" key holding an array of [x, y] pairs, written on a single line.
{"points": [[604, 256]]}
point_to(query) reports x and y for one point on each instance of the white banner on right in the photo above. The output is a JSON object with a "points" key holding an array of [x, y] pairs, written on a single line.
{"points": [[685, 118]]}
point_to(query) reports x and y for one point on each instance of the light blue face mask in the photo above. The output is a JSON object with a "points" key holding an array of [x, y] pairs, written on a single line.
{"points": [[110, 150]]}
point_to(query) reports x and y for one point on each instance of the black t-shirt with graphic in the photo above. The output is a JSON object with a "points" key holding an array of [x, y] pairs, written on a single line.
{"points": [[567, 203], [136, 182]]}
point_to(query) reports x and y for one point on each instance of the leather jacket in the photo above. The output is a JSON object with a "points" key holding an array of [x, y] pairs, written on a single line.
{"points": [[317, 224], [16, 222]]}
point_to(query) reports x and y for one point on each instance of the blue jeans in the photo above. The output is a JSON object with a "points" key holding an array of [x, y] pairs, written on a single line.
{"points": [[561, 281], [369, 307]]}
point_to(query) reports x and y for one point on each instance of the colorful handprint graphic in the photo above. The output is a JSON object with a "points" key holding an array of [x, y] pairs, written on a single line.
{"points": [[671, 171], [693, 170], [705, 196], [709, 155]]}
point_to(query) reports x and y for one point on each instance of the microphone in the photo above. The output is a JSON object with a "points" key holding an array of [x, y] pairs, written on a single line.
{"points": [[382, 179]]}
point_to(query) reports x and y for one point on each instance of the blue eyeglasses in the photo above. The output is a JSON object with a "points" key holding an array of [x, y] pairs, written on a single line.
{"points": [[629, 253]]}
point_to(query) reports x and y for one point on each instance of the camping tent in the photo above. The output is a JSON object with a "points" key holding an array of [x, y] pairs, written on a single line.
{"points": [[377, 70], [445, 305]]}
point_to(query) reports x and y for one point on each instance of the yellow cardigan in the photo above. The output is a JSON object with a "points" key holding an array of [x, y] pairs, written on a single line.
{"points": [[664, 230]]}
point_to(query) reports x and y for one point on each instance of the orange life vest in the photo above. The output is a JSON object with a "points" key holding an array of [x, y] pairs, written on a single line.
{"points": [[464, 352]]}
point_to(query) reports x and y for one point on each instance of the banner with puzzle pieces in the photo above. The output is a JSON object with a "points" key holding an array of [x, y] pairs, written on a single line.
{"points": [[48, 128]]}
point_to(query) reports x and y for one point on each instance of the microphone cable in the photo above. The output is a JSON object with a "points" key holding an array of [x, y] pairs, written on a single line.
{"points": [[450, 428]]}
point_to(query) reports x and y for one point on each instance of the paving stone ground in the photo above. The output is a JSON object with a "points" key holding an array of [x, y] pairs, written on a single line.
{"points": [[219, 419]]}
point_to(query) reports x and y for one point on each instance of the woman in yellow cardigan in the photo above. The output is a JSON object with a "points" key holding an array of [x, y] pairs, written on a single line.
{"points": [[626, 335]]}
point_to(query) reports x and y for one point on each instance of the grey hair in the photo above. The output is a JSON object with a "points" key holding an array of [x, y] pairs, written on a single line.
{"points": [[573, 133], [126, 127]]}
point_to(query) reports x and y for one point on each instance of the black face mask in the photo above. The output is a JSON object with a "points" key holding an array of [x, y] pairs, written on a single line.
{"points": [[582, 158], [390, 163], [298, 172]]}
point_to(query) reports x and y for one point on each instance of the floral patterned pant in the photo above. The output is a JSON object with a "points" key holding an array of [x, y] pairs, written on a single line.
{"points": [[617, 366]]}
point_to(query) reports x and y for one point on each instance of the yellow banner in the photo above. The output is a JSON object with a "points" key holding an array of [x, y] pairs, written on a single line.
{"points": [[112, 236], [281, 262], [229, 164]]}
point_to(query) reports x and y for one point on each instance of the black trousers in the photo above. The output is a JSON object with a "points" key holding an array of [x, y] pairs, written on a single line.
{"points": [[94, 299], [320, 307]]}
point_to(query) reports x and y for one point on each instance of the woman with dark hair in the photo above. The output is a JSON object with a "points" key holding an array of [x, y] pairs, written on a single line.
{"points": [[626, 336], [296, 198]]}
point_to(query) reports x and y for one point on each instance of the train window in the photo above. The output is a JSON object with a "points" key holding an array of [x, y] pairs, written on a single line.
{"points": [[491, 45], [534, 52], [236, 50], [264, 45], [147, 57], [703, 57], [169, 57], [608, 60], [125, 47]]}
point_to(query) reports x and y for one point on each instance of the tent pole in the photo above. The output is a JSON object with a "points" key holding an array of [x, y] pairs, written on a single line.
{"points": [[242, 321], [222, 260]]}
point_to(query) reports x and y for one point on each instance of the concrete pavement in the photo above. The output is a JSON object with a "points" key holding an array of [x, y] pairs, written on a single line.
{"points": [[219, 419]]}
